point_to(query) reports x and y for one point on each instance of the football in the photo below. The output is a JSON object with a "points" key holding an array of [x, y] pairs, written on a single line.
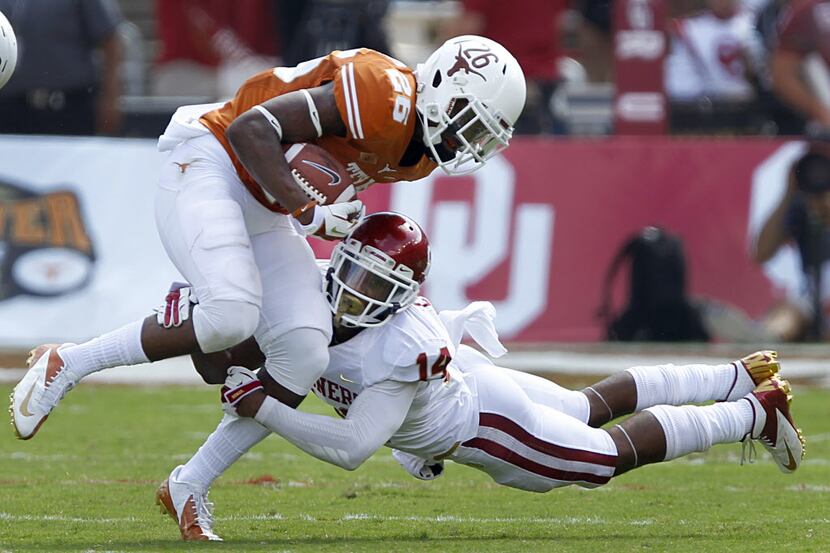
{"points": [[322, 177], [8, 50]]}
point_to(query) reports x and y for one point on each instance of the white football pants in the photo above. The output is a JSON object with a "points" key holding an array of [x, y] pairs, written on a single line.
{"points": [[250, 270], [531, 433]]}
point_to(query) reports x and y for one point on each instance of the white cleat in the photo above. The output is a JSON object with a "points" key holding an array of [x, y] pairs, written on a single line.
{"points": [[188, 506], [40, 390], [773, 424]]}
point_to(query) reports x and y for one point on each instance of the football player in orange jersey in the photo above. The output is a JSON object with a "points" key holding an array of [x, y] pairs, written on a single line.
{"points": [[234, 222]]}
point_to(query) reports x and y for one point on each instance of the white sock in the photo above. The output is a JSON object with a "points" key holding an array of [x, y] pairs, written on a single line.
{"points": [[682, 384], [113, 349], [231, 440], [690, 428]]}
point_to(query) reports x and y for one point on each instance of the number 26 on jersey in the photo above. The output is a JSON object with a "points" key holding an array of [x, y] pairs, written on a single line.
{"points": [[403, 95]]}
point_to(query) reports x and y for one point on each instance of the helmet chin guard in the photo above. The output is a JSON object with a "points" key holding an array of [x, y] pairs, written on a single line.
{"points": [[471, 91]]}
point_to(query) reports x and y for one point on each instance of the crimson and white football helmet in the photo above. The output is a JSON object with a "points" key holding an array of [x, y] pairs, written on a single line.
{"points": [[8, 50], [471, 91], [377, 270]]}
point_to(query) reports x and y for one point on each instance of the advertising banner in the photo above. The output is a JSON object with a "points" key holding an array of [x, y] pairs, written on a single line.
{"points": [[79, 252], [534, 231]]}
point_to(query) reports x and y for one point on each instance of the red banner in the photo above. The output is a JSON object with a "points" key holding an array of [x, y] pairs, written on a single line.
{"points": [[535, 231]]}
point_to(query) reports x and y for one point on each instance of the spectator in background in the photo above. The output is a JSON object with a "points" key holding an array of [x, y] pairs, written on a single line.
{"points": [[715, 54], [596, 39], [61, 85], [530, 30], [312, 28], [209, 47], [802, 216], [804, 36], [787, 121]]}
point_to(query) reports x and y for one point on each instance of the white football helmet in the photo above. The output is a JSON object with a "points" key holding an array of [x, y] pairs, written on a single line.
{"points": [[8, 50], [471, 91]]}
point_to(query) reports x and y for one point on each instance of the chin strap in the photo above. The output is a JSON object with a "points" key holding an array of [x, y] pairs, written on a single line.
{"points": [[389, 311], [330, 282]]}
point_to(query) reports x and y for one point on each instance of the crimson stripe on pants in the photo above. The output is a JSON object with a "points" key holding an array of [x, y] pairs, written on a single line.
{"points": [[510, 428], [501, 452]]}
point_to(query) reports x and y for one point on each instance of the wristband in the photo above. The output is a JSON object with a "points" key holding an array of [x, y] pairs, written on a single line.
{"points": [[302, 209], [317, 221]]}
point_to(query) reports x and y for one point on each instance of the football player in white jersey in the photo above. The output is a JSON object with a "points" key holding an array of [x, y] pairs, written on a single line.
{"points": [[399, 376]]}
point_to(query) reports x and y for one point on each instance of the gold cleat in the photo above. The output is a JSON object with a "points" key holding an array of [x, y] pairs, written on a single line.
{"points": [[761, 365]]}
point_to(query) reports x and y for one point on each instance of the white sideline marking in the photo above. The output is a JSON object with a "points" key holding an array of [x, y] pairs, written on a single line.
{"points": [[356, 517], [360, 517], [179, 370], [808, 488], [60, 518]]}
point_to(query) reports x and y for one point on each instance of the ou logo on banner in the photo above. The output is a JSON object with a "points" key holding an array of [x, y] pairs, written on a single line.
{"points": [[460, 260]]}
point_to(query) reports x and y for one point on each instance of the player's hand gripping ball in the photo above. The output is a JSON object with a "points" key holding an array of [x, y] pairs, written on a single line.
{"points": [[326, 181], [8, 50]]}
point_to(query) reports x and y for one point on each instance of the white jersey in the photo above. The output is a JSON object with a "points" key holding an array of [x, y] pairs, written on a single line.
{"points": [[410, 385], [709, 57], [414, 346]]}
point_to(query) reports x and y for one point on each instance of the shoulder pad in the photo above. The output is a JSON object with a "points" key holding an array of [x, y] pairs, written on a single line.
{"points": [[416, 347]]}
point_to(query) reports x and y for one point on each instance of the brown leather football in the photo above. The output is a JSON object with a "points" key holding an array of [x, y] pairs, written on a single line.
{"points": [[322, 177]]}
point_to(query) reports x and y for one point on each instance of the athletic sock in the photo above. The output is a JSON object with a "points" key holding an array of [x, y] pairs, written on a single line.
{"points": [[682, 384], [231, 440], [113, 349], [690, 428]]}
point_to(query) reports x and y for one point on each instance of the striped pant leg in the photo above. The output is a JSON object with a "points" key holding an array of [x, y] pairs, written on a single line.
{"points": [[533, 447]]}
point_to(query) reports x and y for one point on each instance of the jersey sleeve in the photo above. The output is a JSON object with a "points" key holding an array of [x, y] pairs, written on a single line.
{"points": [[798, 29], [373, 418], [374, 96]]}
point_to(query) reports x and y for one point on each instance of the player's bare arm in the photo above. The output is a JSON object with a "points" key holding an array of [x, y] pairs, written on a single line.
{"points": [[774, 233], [789, 84], [213, 368], [256, 139]]}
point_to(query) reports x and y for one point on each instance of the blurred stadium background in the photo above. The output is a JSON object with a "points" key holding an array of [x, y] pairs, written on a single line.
{"points": [[641, 113]]}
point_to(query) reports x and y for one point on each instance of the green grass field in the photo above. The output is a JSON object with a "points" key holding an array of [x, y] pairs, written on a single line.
{"points": [[86, 483]]}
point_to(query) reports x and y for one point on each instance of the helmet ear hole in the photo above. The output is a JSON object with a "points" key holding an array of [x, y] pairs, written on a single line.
{"points": [[436, 79]]}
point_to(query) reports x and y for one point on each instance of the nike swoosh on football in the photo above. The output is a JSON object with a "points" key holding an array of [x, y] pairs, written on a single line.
{"points": [[792, 465], [335, 178], [24, 406]]}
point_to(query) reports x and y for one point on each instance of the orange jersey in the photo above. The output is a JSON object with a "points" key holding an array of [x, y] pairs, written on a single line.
{"points": [[375, 95]]}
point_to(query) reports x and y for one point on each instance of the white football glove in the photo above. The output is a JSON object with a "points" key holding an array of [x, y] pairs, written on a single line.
{"points": [[422, 469], [333, 222], [239, 383], [176, 307]]}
